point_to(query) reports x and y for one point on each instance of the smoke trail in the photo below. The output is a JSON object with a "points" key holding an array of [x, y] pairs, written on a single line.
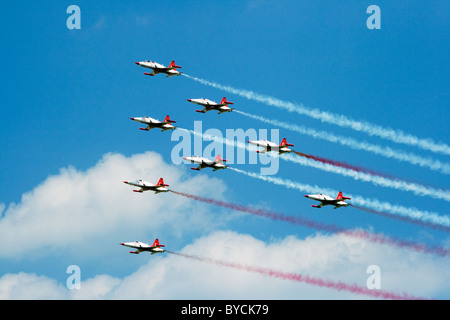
{"points": [[343, 165], [404, 218], [230, 143], [396, 136], [361, 176], [417, 189], [265, 213], [339, 286], [360, 234], [413, 213], [386, 152], [428, 218]]}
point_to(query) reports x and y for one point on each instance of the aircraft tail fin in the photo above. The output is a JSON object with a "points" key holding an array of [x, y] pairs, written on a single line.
{"points": [[219, 159], [172, 65], [284, 143], [161, 183], [224, 101], [167, 119], [156, 244], [340, 196]]}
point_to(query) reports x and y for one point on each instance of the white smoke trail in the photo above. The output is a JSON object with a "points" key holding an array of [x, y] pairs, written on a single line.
{"points": [[360, 176], [209, 137], [387, 152], [376, 180], [412, 213], [396, 136]]}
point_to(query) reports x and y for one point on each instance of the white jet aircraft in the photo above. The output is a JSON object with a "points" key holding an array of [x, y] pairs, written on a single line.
{"points": [[217, 164], [327, 200], [145, 186], [270, 146], [159, 68], [154, 123], [211, 105], [141, 247]]}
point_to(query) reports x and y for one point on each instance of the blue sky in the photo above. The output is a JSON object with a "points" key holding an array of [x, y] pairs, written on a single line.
{"points": [[67, 97]]}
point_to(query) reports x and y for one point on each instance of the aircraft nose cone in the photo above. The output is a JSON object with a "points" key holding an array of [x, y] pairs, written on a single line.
{"points": [[189, 100], [137, 62], [306, 196], [132, 118], [122, 244], [125, 182]]}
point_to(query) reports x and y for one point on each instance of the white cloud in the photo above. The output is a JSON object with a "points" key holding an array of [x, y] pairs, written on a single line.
{"points": [[330, 257], [75, 211], [72, 209], [30, 286], [96, 288]]}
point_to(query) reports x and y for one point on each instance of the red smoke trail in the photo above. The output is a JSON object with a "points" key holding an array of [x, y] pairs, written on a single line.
{"points": [[361, 234], [353, 167], [405, 218], [344, 165], [340, 286]]}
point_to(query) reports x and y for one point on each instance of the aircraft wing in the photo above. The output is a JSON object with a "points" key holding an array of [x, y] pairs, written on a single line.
{"points": [[200, 166], [160, 69], [151, 126], [208, 107], [146, 188], [332, 201]]}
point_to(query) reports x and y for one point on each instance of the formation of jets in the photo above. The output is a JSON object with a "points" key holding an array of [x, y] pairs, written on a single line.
{"points": [[271, 146], [216, 164], [209, 105], [142, 247], [154, 123], [145, 186]]}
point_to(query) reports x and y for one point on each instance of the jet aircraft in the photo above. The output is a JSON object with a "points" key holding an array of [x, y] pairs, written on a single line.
{"points": [[142, 247], [159, 68], [154, 123], [270, 146], [202, 162], [327, 200], [211, 105], [145, 186]]}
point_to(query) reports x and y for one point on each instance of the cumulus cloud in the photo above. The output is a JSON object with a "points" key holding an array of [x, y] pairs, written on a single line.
{"points": [[78, 210], [74, 208], [30, 286], [331, 257]]}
